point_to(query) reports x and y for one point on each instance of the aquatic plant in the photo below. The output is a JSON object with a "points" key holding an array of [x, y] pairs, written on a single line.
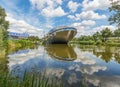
{"points": [[28, 80]]}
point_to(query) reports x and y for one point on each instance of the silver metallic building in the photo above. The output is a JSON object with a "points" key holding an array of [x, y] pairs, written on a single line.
{"points": [[60, 35]]}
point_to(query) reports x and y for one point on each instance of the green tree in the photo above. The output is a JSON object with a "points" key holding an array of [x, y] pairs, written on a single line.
{"points": [[115, 7], [3, 22], [3, 26], [106, 33], [117, 33], [96, 36]]}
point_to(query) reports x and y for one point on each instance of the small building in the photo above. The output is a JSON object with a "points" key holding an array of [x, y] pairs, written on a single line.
{"points": [[14, 35]]}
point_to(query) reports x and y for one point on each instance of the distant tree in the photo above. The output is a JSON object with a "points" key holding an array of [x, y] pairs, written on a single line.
{"points": [[96, 36], [115, 7], [106, 33], [85, 38], [117, 33], [34, 38]]}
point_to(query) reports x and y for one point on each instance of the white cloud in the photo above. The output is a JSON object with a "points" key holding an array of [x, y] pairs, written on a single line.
{"points": [[84, 27], [85, 23], [87, 15], [50, 12], [100, 28], [73, 6], [49, 8], [88, 23], [59, 1], [95, 4], [49, 26], [71, 16], [21, 26]]}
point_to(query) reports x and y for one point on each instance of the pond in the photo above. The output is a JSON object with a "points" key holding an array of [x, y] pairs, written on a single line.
{"points": [[76, 65]]}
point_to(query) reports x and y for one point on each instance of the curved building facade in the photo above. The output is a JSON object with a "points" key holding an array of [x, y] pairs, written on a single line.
{"points": [[60, 35]]}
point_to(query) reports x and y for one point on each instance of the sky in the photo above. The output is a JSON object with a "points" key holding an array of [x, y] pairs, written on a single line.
{"points": [[37, 17]]}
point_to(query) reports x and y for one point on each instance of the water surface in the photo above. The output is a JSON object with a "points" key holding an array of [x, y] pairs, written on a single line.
{"points": [[76, 66]]}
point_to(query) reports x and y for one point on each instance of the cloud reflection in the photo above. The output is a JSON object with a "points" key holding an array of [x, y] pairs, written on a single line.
{"points": [[73, 78], [104, 81]]}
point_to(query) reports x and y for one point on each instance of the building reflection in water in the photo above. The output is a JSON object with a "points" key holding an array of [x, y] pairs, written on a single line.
{"points": [[61, 52]]}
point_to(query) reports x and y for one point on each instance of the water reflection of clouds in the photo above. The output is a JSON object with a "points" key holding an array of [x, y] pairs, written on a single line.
{"points": [[87, 69], [92, 69], [73, 78], [22, 57], [54, 72], [104, 81], [81, 58]]}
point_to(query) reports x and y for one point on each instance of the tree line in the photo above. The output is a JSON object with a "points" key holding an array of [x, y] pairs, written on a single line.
{"points": [[99, 37]]}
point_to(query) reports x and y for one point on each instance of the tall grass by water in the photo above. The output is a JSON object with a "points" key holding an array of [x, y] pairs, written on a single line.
{"points": [[28, 80]]}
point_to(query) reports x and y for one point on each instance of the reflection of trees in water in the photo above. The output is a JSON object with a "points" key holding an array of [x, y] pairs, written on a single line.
{"points": [[117, 57], [88, 48], [106, 53], [4, 51], [3, 59]]}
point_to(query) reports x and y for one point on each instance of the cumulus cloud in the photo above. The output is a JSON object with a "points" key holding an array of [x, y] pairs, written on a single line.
{"points": [[84, 27], [51, 12], [95, 4], [20, 26], [71, 16], [73, 6], [59, 1], [87, 15], [100, 28], [85, 23], [49, 8]]}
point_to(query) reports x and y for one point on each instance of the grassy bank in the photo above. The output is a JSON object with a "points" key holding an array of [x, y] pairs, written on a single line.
{"points": [[19, 43], [110, 42]]}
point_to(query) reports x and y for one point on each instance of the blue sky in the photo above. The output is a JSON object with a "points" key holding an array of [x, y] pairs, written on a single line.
{"points": [[39, 16]]}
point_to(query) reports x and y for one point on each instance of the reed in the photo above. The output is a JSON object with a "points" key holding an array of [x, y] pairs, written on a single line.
{"points": [[28, 80]]}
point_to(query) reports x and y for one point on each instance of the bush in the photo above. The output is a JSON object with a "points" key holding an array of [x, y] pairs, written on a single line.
{"points": [[98, 42]]}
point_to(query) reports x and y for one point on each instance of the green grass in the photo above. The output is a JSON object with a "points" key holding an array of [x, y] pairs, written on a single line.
{"points": [[28, 80]]}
